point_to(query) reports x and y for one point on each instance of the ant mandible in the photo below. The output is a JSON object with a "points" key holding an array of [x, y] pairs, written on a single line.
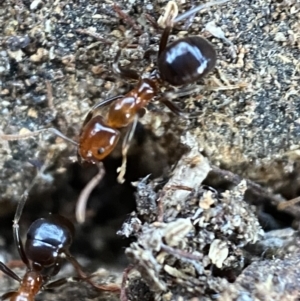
{"points": [[48, 242], [181, 62]]}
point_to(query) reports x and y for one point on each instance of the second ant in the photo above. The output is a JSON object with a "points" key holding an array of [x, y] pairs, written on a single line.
{"points": [[181, 62], [47, 244]]}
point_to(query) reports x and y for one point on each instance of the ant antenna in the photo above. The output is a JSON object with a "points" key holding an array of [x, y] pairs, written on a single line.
{"points": [[197, 9], [54, 131], [17, 217], [85, 193], [22, 202], [24, 196], [21, 205]]}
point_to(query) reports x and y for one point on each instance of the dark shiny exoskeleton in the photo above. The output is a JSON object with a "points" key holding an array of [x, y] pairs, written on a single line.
{"points": [[47, 244]]}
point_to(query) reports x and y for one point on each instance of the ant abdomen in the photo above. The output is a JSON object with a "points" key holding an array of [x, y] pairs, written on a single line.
{"points": [[97, 140], [186, 60], [47, 238]]}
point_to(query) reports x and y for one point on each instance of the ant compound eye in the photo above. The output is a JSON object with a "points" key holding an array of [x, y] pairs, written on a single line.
{"points": [[101, 150]]}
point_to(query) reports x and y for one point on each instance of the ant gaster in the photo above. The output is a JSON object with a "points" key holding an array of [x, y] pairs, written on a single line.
{"points": [[181, 62], [48, 242]]}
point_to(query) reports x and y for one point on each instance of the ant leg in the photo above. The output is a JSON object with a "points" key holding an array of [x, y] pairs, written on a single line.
{"points": [[176, 94], [82, 275], [190, 19], [102, 103], [126, 17], [20, 207], [125, 147], [196, 9], [166, 21], [59, 282], [95, 35], [6, 270], [172, 107], [16, 227], [7, 295], [164, 40], [123, 72], [85, 193], [54, 271], [105, 102]]}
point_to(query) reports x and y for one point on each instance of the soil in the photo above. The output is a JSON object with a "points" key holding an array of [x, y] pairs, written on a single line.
{"points": [[200, 215]]}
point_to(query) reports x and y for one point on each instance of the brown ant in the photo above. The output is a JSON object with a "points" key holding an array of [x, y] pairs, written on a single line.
{"points": [[47, 244], [181, 62]]}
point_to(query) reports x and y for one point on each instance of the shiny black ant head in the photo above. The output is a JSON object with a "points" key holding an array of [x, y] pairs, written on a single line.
{"points": [[186, 60], [47, 238]]}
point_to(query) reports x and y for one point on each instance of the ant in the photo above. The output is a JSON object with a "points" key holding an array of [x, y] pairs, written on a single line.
{"points": [[48, 242], [181, 62]]}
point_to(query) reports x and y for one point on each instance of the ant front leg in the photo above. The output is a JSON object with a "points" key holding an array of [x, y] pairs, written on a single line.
{"points": [[172, 107], [58, 282], [55, 271], [125, 147], [123, 72], [6, 270], [166, 21], [164, 40], [165, 99], [111, 287]]}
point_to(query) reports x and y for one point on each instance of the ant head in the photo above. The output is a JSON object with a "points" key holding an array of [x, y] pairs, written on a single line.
{"points": [[97, 140], [47, 238], [186, 60]]}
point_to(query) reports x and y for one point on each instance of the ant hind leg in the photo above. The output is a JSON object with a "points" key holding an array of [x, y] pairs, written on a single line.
{"points": [[125, 147]]}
